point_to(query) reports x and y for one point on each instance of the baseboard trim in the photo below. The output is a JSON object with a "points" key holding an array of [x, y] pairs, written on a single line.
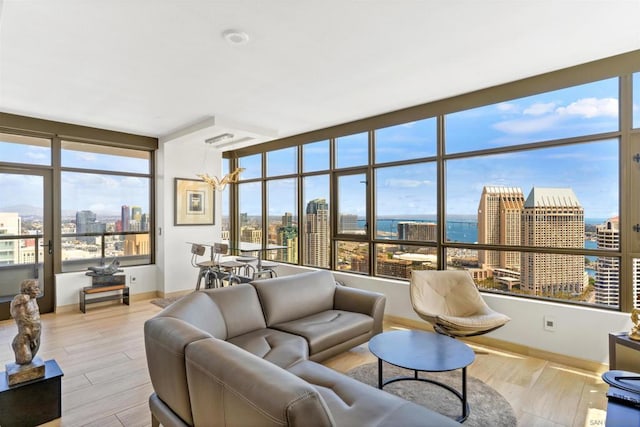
{"points": [[586, 365]]}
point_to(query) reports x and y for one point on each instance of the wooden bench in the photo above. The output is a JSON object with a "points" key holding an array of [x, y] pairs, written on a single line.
{"points": [[122, 294]]}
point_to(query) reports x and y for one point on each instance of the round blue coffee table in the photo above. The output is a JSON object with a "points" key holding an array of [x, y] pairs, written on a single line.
{"points": [[424, 352]]}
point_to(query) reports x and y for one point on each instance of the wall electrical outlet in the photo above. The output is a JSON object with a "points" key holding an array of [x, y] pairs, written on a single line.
{"points": [[549, 323], [133, 279]]}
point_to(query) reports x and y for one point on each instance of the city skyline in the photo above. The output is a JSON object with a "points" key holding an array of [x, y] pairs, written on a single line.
{"points": [[542, 217]]}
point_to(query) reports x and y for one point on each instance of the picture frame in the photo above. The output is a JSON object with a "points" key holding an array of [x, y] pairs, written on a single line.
{"points": [[194, 202]]}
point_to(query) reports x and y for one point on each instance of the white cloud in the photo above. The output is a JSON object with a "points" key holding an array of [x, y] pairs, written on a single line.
{"points": [[525, 126], [543, 116], [591, 107], [507, 107], [539, 108], [87, 157], [406, 183]]}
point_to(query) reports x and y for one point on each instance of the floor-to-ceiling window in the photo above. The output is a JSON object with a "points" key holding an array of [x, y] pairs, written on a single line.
{"points": [[70, 202], [105, 205], [26, 218], [522, 185]]}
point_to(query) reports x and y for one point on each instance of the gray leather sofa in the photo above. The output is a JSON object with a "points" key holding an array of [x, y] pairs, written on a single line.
{"points": [[247, 355]]}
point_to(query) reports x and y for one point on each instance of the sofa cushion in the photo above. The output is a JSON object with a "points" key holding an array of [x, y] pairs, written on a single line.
{"points": [[240, 308], [328, 328], [232, 387], [292, 297], [199, 310], [353, 403], [277, 347]]}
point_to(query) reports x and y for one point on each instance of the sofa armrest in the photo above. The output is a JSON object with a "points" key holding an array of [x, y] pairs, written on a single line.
{"points": [[227, 383], [361, 301], [165, 340]]}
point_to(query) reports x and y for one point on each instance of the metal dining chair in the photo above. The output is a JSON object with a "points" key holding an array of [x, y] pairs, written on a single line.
{"points": [[231, 267], [207, 270]]}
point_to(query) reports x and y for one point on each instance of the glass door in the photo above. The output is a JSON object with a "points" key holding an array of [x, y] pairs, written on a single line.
{"points": [[26, 249]]}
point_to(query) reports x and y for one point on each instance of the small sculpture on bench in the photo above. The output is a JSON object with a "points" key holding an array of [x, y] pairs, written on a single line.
{"points": [[105, 270]]}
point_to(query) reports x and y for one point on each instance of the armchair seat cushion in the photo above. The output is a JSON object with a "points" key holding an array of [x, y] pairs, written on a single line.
{"points": [[478, 322], [328, 328], [277, 347]]}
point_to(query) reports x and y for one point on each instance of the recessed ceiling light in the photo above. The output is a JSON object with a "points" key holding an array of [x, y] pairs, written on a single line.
{"points": [[235, 36], [218, 138]]}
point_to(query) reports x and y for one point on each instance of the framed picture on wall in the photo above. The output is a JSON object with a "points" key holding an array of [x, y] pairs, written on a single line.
{"points": [[194, 202]]}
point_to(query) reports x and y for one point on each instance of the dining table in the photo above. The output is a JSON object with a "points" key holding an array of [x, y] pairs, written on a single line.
{"points": [[244, 248]]}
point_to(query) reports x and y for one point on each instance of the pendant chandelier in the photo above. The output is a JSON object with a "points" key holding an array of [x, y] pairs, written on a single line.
{"points": [[230, 178], [220, 184]]}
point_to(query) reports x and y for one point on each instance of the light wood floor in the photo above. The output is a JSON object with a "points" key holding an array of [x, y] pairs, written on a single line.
{"points": [[106, 382]]}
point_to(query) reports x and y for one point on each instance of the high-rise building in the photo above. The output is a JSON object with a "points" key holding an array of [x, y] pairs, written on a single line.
{"points": [[144, 222], [287, 219], [244, 219], [552, 217], [287, 236], [136, 244], [394, 267], [348, 223], [10, 224], [607, 280], [420, 231], [86, 222], [499, 213], [136, 213], [251, 235], [316, 233], [125, 217]]}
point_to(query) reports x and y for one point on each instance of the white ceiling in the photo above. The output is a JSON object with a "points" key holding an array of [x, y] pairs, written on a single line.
{"points": [[161, 67]]}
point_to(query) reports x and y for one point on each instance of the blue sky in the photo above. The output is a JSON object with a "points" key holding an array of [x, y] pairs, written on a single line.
{"points": [[100, 193], [591, 170]]}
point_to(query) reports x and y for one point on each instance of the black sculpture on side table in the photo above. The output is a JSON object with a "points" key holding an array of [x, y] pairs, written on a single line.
{"points": [[105, 275], [106, 270]]}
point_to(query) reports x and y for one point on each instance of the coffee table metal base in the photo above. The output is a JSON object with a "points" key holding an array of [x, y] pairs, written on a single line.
{"points": [[466, 410]]}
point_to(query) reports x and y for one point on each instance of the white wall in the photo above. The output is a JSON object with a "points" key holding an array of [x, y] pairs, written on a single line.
{"points": [[580, 332], [140, 279], [183, 158]]}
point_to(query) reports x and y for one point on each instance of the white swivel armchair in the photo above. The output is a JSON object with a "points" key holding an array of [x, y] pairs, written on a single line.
{"points": [[451, 302]]}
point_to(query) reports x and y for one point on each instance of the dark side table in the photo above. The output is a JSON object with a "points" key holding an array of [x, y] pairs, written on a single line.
{"points": [[33, 402], [424, 352]]}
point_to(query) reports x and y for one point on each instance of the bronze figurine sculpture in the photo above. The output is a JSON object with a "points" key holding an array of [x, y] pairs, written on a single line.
{"points": [[24, 310]]}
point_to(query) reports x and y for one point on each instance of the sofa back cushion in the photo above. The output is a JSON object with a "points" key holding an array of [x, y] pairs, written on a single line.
{"points": [[240, 308], [292, 297], [198, 309], [230, 386]]}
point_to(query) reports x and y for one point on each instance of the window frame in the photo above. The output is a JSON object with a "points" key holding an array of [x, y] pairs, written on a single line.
{"points": [[59, 131], [621, 67]]}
